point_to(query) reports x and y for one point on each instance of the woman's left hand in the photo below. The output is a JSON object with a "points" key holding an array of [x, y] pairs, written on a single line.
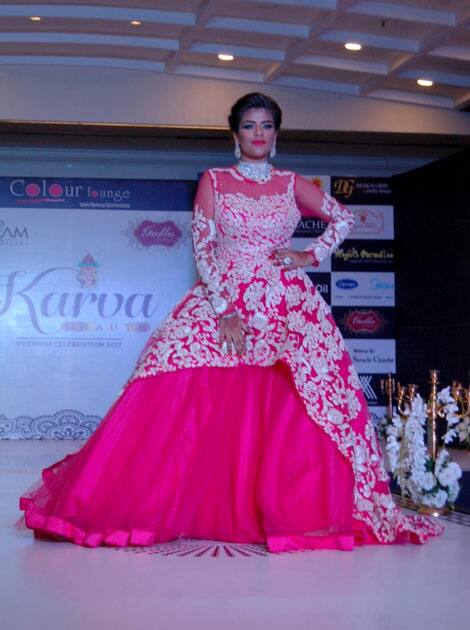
{"points": [[299, 259]]}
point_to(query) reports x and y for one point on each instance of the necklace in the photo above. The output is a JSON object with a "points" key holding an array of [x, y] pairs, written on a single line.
{"points": [[258, 172]]}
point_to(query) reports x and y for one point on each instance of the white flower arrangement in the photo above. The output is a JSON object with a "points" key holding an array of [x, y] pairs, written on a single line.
{"points": [[426, 481]]}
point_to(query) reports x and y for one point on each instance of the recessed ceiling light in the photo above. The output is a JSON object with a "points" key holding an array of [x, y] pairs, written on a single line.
{"points": [[136, 22], [35, 18], [225, 57], [425, 82], [352, 46]]}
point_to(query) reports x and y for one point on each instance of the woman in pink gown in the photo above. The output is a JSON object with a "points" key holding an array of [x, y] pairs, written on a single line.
{"points": [[244, 419]]}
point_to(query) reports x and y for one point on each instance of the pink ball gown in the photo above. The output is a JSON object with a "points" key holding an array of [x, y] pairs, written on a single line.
{"points": [[272, 446]]}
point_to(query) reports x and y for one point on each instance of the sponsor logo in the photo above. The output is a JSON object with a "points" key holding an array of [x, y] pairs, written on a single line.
{"points": [[87, 274], [27, 192], [367, 387], [148, 233], [364, 255], [13, 234], [321, 282], [363, 289], [372, 356], [358, 190], [381, 285], [323, 290], [49, 310], [99, 194], [368, 222], [344, 187], [363, 322], [370, 384], [347, 283], [308, 226], [351, 254]]}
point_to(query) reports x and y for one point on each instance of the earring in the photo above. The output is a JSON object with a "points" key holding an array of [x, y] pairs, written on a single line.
{"points": [[237, 151], [272, 153]]}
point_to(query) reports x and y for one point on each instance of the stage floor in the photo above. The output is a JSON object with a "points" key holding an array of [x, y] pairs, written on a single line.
{"points": [[214, 585]]}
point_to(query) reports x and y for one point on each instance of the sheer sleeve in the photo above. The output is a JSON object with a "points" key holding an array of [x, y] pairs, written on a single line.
{"points": [[315, 203], [205, 244]]}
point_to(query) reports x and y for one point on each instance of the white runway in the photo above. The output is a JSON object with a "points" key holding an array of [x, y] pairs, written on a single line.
{"points": [[209, 585]]}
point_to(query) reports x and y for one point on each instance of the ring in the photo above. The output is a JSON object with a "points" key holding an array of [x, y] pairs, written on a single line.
{"points": [[287, 260]]}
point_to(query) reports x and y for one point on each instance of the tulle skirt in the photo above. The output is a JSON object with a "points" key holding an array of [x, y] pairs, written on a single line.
{"points": [[215, 453]]}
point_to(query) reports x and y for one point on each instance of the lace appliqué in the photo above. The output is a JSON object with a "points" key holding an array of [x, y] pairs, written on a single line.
{"points": [[204, 242], [342, 222]]}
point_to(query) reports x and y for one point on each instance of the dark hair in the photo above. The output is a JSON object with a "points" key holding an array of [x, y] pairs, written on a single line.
{"points": [[258, 101]]}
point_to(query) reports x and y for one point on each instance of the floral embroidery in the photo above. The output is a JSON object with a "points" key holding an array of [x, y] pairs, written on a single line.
{"points": [[342, 222], [287, 319], [204, 241]]}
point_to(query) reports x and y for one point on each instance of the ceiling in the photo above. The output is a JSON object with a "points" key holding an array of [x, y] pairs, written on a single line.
{"points": [[297, 43]]}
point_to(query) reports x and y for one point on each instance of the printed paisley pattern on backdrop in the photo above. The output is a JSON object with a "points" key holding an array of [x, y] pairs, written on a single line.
{"points": [[66, 424]]}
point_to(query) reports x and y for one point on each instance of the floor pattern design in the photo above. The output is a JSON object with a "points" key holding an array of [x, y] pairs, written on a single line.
{"points": [[190, 547], [184, 547]]}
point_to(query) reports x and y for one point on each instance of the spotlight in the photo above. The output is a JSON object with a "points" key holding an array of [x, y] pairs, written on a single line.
{"points": [[352, 46]]}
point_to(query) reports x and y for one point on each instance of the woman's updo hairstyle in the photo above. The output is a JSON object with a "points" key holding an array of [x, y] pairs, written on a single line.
{"points": [[258, 101]]}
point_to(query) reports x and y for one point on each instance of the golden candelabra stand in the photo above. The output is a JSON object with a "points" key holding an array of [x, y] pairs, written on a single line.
{"points": [[404, 396]]}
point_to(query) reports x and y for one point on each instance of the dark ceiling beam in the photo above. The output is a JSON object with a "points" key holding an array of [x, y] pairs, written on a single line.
{"points": [[69, 133]]}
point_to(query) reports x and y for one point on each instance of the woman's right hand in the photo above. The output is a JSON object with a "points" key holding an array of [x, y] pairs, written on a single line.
{"points": [[232, 331]]}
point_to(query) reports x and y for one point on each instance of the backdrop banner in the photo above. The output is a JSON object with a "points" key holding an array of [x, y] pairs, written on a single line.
{"points": [[358, 281], [89, 267]]}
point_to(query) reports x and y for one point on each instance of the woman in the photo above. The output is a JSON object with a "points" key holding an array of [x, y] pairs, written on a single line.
{"points": [[244, 419]]}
